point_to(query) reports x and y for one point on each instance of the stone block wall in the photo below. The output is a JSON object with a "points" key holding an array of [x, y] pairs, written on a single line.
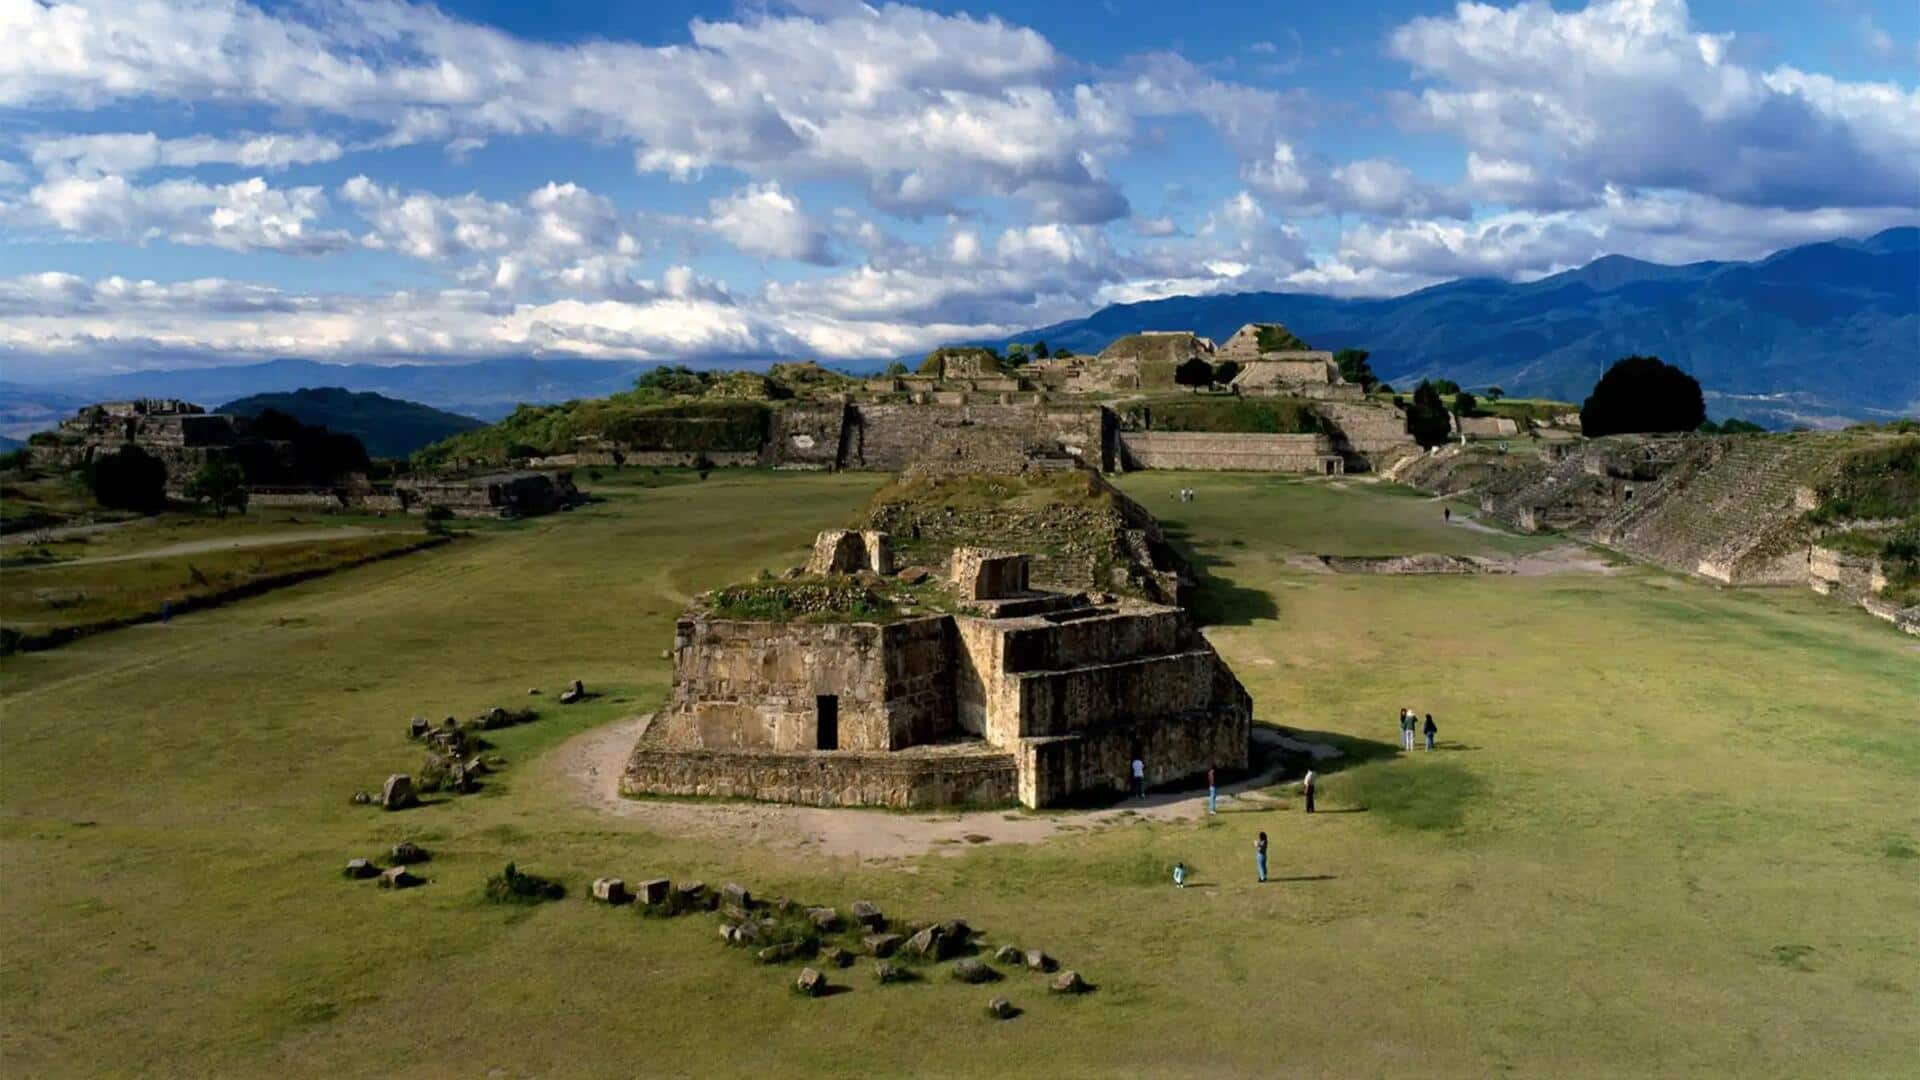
{"points": [[1074, 768], [898, 781], [807, 436], [686, 459], [1365, 429], [1837, 573], [745, 684], [892, 437], [1311, 454]]}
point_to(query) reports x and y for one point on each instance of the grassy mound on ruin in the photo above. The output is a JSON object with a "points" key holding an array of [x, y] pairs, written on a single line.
{"points": [[1265, 416], [634, 420], [1276, 338], [835, 598]]}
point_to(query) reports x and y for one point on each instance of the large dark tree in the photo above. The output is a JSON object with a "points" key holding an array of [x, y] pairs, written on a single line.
{"points": [[1194, 372], [1643, 394], [128, 479], [1355, 369], [1427, 419]]}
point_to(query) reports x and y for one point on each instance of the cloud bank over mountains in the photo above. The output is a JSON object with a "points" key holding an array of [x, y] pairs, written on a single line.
{"points": [[870, 180]]}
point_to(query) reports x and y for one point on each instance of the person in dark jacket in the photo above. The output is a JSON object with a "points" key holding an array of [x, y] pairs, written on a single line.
{"points": [[1430, 730], [1306, 788]]}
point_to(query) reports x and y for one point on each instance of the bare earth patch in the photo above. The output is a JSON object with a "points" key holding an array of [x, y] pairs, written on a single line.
{"points": [[588, 767]]}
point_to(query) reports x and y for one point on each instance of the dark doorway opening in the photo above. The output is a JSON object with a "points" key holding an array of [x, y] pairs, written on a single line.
{"points": [[826, 710]]}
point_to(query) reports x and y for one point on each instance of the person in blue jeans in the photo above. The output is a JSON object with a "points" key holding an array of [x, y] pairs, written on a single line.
{"points": [[1431, 731], [1213, 793], [1260, 855]]}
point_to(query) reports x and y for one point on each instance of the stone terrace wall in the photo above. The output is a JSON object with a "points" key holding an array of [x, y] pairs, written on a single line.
{"points": [[890, 437], [1365, 429], [901, 781], [748, 684], [807, 436], [1248, 452], [1182, 746], [667, 459], [1836, 573]]}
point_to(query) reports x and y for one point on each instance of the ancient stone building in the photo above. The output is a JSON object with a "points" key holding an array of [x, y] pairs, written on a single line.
{"points": [[1016, 695], [183, 436], [495, 495]]}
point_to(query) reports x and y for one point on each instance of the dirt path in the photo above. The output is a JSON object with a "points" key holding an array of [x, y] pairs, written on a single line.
{"points": [[587, 768], [202, 547], [62, 532]]}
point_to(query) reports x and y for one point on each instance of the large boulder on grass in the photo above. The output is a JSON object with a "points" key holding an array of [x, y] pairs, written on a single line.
{"points": [[882, 945], [398, 877], [1008, 954], [824, 919], [1069, 982], [811, 983], [888, 972], [1039, 961], [360, 869], [971, 970], [398, 794], [867, 915], [574, 692], [656, 892], [736, 894], [611, 890], [779, 954], [1001, 1009], [930, 944], [406, 853]]}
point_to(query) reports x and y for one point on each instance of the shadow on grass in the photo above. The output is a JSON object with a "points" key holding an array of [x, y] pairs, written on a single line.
{"points": [[1302, 877], [1217, 601]]}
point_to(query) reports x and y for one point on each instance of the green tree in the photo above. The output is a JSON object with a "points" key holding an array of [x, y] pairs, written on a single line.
{"points": [[1040, 350], [1494, 393], [128, 479], [672, 379], [1427, 419], [896, 369], [1464, 404], [1445, 387], [1063, 353], [1193, 372], [1224, 372], [1643, 394], [1016, 354], [1354, 368], [221, 485]]}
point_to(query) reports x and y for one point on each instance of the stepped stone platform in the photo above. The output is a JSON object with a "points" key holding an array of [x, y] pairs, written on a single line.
{"points": [[1311, 454], [1018, 695]]}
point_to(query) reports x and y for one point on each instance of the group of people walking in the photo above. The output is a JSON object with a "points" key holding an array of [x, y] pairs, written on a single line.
{"points": [[1411, 728], [1184, 494]]}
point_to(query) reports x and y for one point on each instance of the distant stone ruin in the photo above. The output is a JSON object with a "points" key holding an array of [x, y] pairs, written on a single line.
{"points": [[182, 435], [1015, 695], [495, 495]]}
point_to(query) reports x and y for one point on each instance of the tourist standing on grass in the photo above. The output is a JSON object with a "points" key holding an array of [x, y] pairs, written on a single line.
{"points": [[1139, 779], [1431, 731], [1407, 722], [1447, 513], [1306, 786], [1260, 855], [1179, 875], [1213, 794]]}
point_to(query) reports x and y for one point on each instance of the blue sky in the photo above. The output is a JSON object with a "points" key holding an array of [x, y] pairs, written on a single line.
{"points": [[207, 181]]}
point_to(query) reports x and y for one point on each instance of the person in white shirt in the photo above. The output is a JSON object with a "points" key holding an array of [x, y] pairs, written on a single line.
{"points": [[1139, 779]]}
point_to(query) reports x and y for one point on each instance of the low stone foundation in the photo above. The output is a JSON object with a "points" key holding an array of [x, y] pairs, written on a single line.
{"points": [[1312, 454], [900, 780]]}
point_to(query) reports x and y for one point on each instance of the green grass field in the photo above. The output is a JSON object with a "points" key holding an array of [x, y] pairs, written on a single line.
{"points": [[1671, 829]]}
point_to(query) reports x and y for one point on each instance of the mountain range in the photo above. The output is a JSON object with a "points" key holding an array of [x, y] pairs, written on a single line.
{"points": [[1817, 334], [386, 427]]}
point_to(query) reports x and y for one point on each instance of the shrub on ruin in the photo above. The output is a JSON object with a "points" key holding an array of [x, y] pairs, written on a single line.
{"points": [[220, 485], [1643, 394], [128, 479], [1276, 338], [1427, 418], [513, 886], [1465, 404], [1355, 369], [1193, 373]]}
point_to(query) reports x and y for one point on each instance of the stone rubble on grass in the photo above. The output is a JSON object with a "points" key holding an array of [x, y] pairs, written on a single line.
{"points": [[824, 919], [362, 798], [611, 890], [837, 957], [811, 983], [886, 972], [867, 915], [656, 892], [781, 953], [407, 852], [418, 727], [694, 894], [1069, 982], [359, 869], [398, 877], [1000, 1009], [1039, 961], [574, 692], [736, 895], [398, 793], [971, 970], [1008, 954], [882, 945]]}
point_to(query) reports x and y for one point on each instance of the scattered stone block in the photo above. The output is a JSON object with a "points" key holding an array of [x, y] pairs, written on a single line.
{"points": [[810, 983], [929, 943], [887, 972], [867, 915], [1001, 1009], [611, 890], [956, 931], [913, 575], [779, 954], [398, 877], [575, 691], [1008, 954], [824, 919], [406, 853], [398, 793], [735, 913], [363, 798], [730, 933], [656, 892], [693, 894], [971, 970], [360, 869], [1069, 982], [533, 691], [837, 957], [1039, 961], [736, 894], [418, 727], [787, 907], [882, 944]]}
